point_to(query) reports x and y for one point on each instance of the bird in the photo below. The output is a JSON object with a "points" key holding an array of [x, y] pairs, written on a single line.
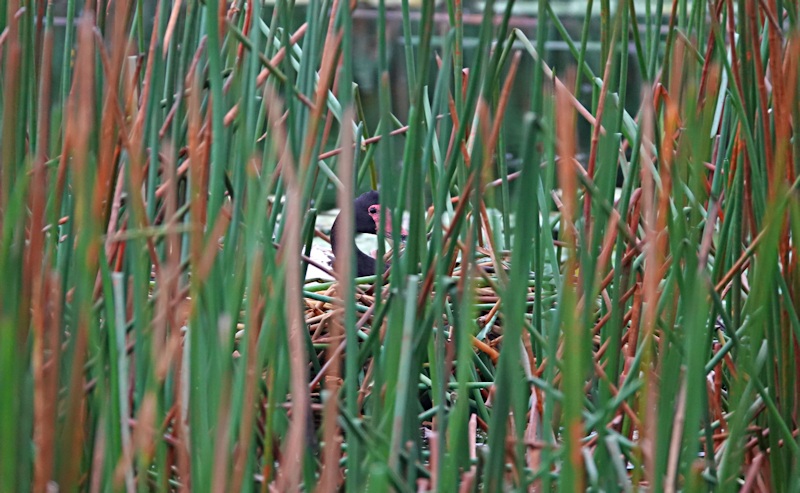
{"points": [[367, 220]]}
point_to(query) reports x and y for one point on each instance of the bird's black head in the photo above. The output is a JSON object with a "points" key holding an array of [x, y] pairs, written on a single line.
{"points": [[368, 215]]}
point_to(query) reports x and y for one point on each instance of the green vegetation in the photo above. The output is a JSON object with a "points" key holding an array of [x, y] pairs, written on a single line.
{"points": [[156, 195]]}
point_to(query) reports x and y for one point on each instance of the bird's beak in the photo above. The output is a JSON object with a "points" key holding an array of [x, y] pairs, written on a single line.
{"points": [[387, 231], [403, 234]]}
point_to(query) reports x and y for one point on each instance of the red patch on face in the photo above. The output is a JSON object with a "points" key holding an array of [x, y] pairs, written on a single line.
{"points": [[375, 213]]}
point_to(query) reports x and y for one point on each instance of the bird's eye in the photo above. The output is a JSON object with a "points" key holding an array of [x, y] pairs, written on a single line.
{"points": [[373, 210]]}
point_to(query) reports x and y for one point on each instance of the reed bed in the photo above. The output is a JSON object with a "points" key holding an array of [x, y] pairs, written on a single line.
{"points": [[626, 321]]}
